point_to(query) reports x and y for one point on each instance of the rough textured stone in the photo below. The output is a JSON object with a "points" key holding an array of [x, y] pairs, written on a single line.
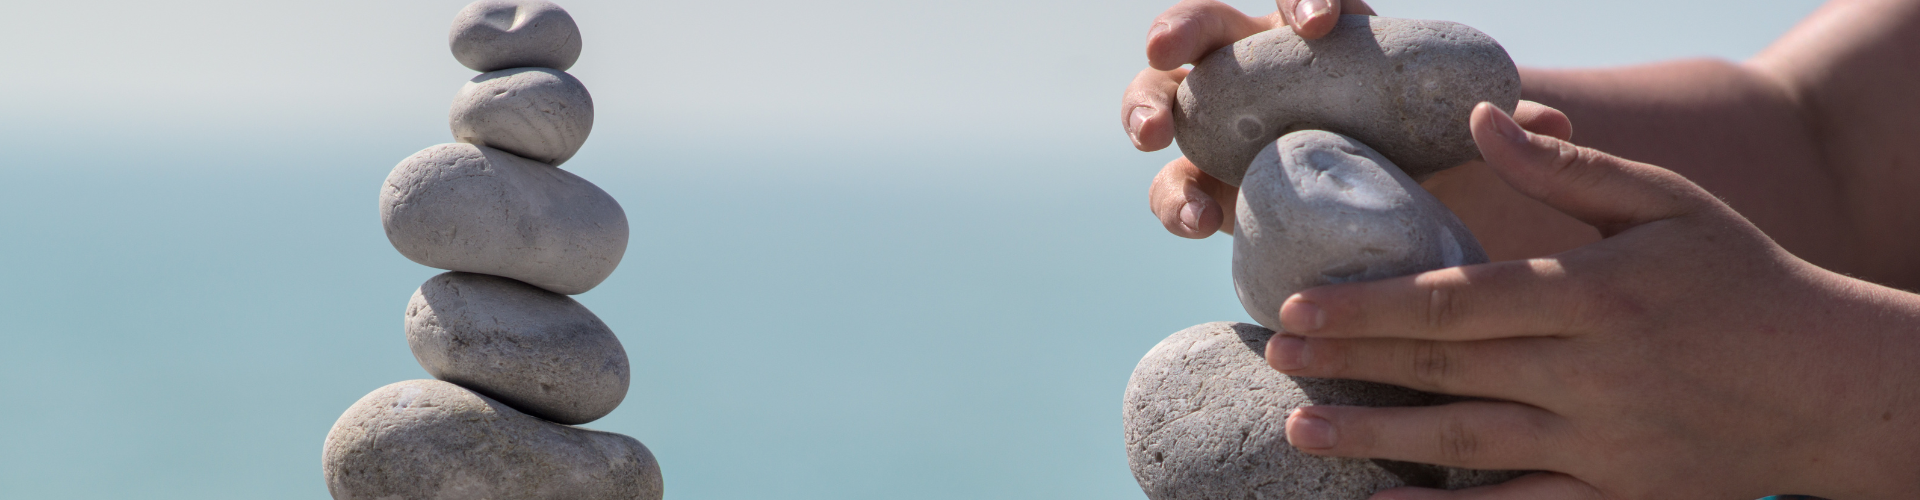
{"points": [[1320, 208], [537, 113], [427, 439], [1405, 87], [471, 208], [537, 351], [492, 35], [1206, 419]]}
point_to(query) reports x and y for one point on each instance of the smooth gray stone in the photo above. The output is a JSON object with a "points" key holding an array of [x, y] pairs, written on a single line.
{"points": [[1405, 87], [537, 113], [492, 35], [1320, 208], [427, 439], [1205, 419], [462, 207], [537, 351]]}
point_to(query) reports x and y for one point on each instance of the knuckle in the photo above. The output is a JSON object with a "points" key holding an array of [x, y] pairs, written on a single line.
{"points": [[1432, 363], [1458, 442]]}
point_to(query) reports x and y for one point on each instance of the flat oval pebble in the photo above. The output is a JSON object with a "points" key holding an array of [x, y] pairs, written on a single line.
{"points": [[540, 352], [492, 35], [427, 439], [537, 113], [1205, 419], [1403, 86], [462, 207], [1319, 208]]}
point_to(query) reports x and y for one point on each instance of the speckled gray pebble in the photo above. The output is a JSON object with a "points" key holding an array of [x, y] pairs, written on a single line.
{"points": [[1405, 87], [427, 439], [537, 351], [471, 208], [540, 114], [1320, 208], [492, 35], [1206, 419]]}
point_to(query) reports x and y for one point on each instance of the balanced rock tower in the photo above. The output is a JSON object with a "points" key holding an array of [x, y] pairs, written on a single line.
{"points": [[516, 362]]}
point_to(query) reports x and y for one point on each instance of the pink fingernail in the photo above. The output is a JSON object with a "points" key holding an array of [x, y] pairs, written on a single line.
{"points": [[1288, 353], [1507, 127], [1306, 10], [1308, 432], [1190, 215], [1137, 119], [1301, 316], [1157, 29]]}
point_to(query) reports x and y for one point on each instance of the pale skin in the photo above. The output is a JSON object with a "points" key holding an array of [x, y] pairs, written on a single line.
{"points": [[1682, 330]]}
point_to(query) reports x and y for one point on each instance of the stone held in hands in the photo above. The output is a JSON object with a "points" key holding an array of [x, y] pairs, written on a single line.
{"points": [[537, 113], [433, 439], [492, 35], [462, 207], [539, 352], [1319, 208], [1405, 87], [1205, 419]]}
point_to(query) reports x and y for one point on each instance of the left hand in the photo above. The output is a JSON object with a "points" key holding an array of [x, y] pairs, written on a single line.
{"points": [[1685, 355]]}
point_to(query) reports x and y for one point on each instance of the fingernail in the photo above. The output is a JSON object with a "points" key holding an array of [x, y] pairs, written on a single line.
{"points": [[1306, 10], [1288, 353], [1190, 215], [1137, 119], [1157, 29], [1507, 127], [1300, 316], [1309, 432]]}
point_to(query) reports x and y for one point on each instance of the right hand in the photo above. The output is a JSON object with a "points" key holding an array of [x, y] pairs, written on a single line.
{"points": [[1192, 204]]}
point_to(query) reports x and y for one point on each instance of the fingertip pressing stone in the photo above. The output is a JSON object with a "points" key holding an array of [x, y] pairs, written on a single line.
{"points": [[462, 207], [1205, 419], [492, 35], [540, 352], [432, 439], [1318, 208], [537, 113], [1405, 87]]}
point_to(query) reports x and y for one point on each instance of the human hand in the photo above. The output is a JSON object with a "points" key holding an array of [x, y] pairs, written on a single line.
{"points": [[1685, 355]]}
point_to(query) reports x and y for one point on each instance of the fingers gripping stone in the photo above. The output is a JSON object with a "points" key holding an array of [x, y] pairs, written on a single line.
{"points": [[492, 35], [537, 113], [1404, 86], [471, 208], [1205, 419], [1318, 208], [433, 439], [535, 350]]}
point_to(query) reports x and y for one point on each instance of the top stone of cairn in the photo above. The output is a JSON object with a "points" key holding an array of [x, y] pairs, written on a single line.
{"points": [[492, 35]]}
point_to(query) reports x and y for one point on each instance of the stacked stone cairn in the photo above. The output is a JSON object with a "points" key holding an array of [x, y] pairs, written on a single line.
{"points": [[1325, 139], [517, 361]]}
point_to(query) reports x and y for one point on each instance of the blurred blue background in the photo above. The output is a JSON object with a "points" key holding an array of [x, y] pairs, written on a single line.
{"points": [[881, 250]]}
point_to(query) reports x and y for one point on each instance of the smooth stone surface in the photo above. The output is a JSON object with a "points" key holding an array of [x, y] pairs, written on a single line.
{"points": [[537, 113], [470, 208], [1205, 418], [1405, 87], [537, 351], [427, 439], [1320, 208], [492, 35]]}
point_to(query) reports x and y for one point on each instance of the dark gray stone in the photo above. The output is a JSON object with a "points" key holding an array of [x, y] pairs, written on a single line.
{"points": [[537, 351], [1206, 420], [1405, 87], [492, 35], [536, 113], [471, 208], [427, 439]]}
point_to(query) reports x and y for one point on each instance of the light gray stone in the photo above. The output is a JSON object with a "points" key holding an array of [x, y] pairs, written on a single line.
{"points": [[427, 439], [1405, 87], [537, 113], [492, 35], [462, 207], [1320, 208], [537, 351], [1205, 419]]}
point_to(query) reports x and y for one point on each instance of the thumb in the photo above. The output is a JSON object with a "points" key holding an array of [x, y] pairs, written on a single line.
{"points": [[1610, 193]]}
